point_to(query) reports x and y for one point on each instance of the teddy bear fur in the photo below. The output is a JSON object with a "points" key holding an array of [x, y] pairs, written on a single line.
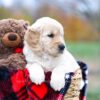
{"points": [[8, 56]]}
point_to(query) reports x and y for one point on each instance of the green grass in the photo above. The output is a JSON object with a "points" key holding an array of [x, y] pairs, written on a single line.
{"points": [[84, 49], [94, 94]]}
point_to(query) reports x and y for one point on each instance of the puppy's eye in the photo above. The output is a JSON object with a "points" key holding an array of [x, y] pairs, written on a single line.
{"points": [[51, 35]]}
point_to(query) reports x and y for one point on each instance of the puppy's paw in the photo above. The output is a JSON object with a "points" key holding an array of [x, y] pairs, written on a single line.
{"points": [[37, 78], [36, 73], [57, 81]]}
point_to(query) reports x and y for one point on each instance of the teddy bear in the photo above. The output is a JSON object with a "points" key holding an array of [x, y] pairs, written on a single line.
{"points": [[11, 43]]}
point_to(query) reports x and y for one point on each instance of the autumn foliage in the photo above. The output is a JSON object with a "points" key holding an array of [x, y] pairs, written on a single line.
{"points": [[76, 27]]}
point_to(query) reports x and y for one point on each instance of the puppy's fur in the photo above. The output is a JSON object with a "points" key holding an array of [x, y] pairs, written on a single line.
{"points": [[41, 49]]}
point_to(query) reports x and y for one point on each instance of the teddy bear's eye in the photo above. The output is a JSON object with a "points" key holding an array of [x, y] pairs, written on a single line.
{"points": [[51, 35]]}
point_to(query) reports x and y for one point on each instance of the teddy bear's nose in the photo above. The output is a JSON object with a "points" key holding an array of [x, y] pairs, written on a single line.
{"points": [[12, 37]]}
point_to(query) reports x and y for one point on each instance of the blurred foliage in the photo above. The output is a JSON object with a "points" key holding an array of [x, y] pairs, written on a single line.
{"points": [[4, 13], [76, 28], [9, 13]]}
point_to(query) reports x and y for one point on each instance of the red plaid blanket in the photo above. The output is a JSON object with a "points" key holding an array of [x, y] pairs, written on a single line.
{"points": [[19, 87]]}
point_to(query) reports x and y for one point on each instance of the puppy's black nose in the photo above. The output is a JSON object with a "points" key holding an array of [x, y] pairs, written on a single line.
{"points": [[12, 37], [61, 47]]}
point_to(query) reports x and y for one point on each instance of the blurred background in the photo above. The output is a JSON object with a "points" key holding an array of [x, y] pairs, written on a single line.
{"points": [[81, 21]]}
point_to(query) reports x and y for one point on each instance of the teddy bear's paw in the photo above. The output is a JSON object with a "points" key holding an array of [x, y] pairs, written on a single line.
{"points": [[57, 81], [36, 74]]}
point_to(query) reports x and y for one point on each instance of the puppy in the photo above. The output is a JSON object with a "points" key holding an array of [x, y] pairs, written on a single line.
{"points": [[45, 50]]}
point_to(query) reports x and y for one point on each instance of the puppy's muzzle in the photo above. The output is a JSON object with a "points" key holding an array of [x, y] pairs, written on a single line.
{"points": [[61, 47]]}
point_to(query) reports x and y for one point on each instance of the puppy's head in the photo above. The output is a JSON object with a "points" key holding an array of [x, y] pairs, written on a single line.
{"points": [[46, 35]]}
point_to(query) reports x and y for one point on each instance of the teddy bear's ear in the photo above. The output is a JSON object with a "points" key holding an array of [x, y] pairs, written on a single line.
{"points": [[26, 25]]}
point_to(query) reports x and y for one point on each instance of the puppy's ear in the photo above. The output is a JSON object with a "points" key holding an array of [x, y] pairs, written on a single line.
{"points": [[32, 37]]}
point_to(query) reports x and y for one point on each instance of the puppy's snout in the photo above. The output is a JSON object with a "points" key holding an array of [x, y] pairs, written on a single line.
{"points": [[61, 47], [12, 37]]}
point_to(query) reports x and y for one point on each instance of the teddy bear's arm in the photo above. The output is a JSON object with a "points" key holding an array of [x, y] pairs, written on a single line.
{"points": [[3, 63], [17, 61], [13, 62]]}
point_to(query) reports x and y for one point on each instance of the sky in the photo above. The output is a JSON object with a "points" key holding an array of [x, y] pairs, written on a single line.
{"points": [[92, 4], [7, 3]]}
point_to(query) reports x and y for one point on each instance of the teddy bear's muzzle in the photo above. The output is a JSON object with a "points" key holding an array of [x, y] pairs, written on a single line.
{"points": [[11, 39]]}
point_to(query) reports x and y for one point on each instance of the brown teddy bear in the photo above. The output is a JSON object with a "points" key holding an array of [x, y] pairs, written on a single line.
{"points": [[11, 43]]}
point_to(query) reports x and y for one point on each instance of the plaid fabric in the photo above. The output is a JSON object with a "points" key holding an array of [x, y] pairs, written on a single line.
{"points": [[19, 87], [6, 91]]}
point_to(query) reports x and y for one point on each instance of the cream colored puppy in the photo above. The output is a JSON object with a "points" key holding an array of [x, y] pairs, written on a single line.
{"points": [[44, 49]]}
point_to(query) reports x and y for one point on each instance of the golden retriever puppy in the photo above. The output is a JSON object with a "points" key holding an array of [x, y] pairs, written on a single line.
{"points": [[45, 50]]}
